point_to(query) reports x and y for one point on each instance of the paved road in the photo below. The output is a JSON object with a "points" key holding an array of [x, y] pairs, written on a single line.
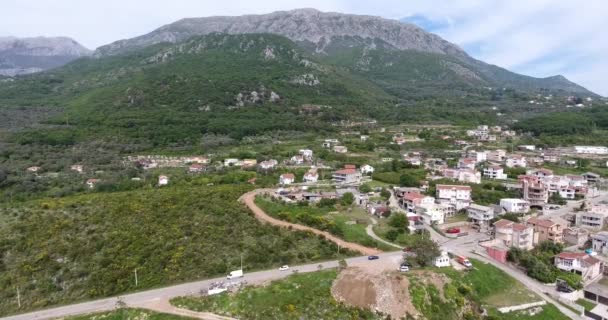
{"points": [[144, 298], [249, 200]]}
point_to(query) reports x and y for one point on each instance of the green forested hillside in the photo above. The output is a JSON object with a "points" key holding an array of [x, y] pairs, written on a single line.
{"points": [[78, 247]]}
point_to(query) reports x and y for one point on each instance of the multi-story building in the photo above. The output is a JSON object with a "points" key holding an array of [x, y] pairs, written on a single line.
{"points": [[498, 155], [534, 191], [591, 150], [576, 236], [513, 234], [494, 172], [516, 161], [467, 163], [481, 215], [347, 176], [548, 229], [459, 196], [478, 156], [515, 205], [414, 200], [462, 175], [599, 242], [593, 218]]}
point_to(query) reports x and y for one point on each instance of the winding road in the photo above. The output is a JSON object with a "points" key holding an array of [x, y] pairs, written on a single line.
{"points": [[249, 200]]}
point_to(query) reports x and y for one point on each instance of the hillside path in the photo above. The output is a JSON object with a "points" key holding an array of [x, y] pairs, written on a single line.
{"points": [[249, 200]]}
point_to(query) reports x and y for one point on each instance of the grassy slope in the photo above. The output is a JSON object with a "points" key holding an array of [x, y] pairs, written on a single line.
{"points": [[307, 296], [80, 247], [124, 314], [302, 296], [322, 219]]}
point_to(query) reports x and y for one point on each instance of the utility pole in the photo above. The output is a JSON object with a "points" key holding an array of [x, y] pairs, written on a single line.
{"points": [[136, 282], [241, 261], [18, 298]]}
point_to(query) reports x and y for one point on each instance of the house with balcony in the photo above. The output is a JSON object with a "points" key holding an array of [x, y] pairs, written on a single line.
{"points": [[593, 218], [467, 163], [514, 205], [513, 234], [534, 191], [462, 175], [551, 229], [599, 242], [494, 172], [347, 176], [413, 200], [588, 267], [516, 161], [457, 195], [498, 155], [481, 215], [287, 178]]}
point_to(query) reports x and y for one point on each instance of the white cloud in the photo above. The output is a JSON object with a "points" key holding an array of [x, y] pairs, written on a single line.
{"points": [[535, 37]]}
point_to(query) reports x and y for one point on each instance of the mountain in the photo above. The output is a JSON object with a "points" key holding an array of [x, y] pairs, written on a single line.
{"points": [[363, 43], [29, 55]]}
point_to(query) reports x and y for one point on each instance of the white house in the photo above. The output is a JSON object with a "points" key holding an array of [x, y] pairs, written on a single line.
{"points": [[467, 163], [163, 180], [287, 178], [516, 160], [432, 213], [443, 260], [311, 176], [588, 267], [77, 167], [498, 155], [347, 176], [459, 196], [230, 162], [268, 164], [91, 183], [364, 137], [340, 149], [515, 205], [306, 153], [366, 169], [34, 169], [494, 172], [462, 175], [478, 156], [480, 215], [591, 150]]}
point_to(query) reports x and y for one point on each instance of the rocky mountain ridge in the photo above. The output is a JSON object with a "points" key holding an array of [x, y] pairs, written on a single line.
{"points": [[29, 55]]}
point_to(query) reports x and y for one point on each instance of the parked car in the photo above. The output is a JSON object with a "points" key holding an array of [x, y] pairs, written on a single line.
{"points": [[284, 268], [453, 230], [373, 258], [404, 268]]}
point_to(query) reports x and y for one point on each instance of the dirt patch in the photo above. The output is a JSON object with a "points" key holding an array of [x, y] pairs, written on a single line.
{"points": [[386, 292]]}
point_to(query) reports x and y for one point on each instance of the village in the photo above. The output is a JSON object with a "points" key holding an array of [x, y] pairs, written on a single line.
{"points": [[484, 193]]}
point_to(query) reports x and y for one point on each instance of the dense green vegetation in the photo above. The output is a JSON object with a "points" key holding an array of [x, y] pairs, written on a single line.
{"points": [[86, 246], [301, 296], [539, 264]]}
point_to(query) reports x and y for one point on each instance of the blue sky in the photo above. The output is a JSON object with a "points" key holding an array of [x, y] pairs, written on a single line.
{"points": [[534, 37]]}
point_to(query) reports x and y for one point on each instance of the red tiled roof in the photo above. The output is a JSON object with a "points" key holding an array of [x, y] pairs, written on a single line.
{"points": [[346, 171], [413, 196], [502, 223], [519, 227], [546, 223], [571, 255], [350, 166], [288, 176]]}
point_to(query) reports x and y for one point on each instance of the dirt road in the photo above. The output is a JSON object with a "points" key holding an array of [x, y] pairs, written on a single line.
{"points": [[249, 200]]}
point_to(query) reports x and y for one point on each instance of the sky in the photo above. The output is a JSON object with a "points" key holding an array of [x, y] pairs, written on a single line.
{"points": [[534, 37]]}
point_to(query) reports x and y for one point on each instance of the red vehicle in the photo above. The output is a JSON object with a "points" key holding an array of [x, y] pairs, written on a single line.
{"points": [[464, 261], [453, 230]]}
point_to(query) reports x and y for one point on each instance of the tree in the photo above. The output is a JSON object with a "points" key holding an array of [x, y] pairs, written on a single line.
{"points": [[425, 249], [365, 188], [399, 221], [3, 175], [347, 199], [556, 198], [406, 180], [385, 194], [392, 235]]}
